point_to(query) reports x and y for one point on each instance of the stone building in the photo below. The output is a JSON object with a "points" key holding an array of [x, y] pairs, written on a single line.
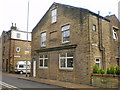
{"points": [[14, 44], [0, 53], [68, 41], [115, 41]]}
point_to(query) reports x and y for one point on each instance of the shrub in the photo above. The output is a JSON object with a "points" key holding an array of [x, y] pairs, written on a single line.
{"points": [[101, 71], [112, 70], [117, 70], [95, 69], [108, 70]]}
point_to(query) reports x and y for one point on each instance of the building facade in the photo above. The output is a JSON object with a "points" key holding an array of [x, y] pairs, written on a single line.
{"points": [[14, 45], [0, 53], [67, 43]]}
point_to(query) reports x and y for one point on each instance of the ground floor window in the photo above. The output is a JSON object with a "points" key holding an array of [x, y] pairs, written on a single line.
{"points": [[66, 60], [97, 62], [43, 61]]}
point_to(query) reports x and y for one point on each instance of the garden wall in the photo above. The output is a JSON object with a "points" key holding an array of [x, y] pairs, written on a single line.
{"points": [[105, 81]]}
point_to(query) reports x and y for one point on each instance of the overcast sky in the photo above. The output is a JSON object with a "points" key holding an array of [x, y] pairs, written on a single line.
{"points": [[15, 11]]}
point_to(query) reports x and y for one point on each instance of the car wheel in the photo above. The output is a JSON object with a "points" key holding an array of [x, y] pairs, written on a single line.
{"points": [[21, 72]]}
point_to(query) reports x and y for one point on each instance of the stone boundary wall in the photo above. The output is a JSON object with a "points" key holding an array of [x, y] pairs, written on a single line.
{"points": [[105, 81]]}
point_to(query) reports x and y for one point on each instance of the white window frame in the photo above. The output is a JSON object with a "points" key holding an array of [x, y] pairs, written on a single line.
{"points": [[65, 62], [98, 62], [54, 15], [17, 49], [115, 36], [18, 35], [43, 59], [65, 29], [43, 39]]}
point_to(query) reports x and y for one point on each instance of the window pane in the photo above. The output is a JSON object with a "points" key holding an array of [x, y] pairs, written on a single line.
{"points": [[62, 55], [41, 56], [70, 62], [18, 35], [66, 39], [45, 62], [66, 36], [97, 59], [54, 12], [21, 66], [65, 27], [62, 62], [41, 62], [43, 39], [94, 27], [45, 56], [69, 54]]}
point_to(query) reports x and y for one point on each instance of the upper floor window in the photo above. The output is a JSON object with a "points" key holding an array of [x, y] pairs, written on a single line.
{"points": [[43, 61], [54, 15], [66, 60], [65, 33], [43, 39], [115, 36], [94, 27], [97, 62], [18, 35]]}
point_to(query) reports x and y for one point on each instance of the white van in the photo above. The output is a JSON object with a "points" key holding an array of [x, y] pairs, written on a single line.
{"points": [[21, 67]]}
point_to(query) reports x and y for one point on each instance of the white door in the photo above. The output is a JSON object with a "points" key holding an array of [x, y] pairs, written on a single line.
{"points": [[34, 68]]}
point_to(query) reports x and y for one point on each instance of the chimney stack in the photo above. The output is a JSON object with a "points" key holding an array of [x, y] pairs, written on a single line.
{"points": [[13, 27]]}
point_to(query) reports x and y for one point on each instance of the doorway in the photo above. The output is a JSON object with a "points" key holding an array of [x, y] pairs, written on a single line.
{"points": [[34, 68]]}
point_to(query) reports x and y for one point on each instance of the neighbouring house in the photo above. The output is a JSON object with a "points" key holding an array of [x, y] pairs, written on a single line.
{"points": [[68, 41], [14, 47], [0, 54]]}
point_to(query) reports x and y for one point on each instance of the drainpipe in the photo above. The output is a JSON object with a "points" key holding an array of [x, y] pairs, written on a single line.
{"points": [[9, 52], [101, 48]]}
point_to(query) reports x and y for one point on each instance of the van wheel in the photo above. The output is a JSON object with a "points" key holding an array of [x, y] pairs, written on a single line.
{"points": [[21, 72]]}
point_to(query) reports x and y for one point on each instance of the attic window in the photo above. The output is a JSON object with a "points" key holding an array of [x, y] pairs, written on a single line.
{"points": [[54, 15]]}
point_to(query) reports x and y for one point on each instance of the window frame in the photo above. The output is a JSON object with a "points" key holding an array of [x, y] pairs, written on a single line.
{"points": [[63, 29], [115, 35], [94, 27], [66, 59], [54, 15], [43, 60], [17, 49], [43, 42], [98, 62]]}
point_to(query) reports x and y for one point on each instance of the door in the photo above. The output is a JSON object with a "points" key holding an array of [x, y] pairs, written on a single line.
{"points": [[34, 68], [6, 65]]}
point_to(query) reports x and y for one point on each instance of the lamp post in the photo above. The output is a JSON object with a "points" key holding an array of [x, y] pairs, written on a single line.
{"points": [[27, 39]]}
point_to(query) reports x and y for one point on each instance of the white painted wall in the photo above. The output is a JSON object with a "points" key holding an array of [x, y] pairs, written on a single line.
{"points": [[23, 35]]}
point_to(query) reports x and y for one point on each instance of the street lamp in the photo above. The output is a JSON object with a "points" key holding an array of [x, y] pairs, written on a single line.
{"points": [[27, 39]]}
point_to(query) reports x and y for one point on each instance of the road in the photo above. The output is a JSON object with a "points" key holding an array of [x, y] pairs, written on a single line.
{"points": [[12, 81]]}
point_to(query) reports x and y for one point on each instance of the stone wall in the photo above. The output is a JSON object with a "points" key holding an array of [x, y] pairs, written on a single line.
{"points": [[81, 34], [105, 81]]}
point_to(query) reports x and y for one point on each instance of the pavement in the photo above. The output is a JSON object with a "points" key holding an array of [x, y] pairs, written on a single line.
{"points": [[56, 82], [51, 82]]}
